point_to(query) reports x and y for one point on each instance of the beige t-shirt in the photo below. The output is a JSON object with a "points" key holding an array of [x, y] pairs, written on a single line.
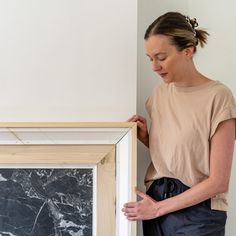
{"points": [[183, 120]]}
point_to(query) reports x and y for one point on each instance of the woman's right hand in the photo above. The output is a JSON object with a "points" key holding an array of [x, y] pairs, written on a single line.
{"points": [[142, 132]]}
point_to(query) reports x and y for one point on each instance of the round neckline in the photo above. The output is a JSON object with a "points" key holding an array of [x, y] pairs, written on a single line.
{"points": [[195, 88]]}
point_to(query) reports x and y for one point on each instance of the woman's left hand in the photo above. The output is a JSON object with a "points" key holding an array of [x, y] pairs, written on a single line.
{"points": [[145, 209]]}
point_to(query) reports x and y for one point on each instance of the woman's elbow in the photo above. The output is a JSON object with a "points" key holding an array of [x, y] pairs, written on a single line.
{"points": [[218, 185], [222, 187]]}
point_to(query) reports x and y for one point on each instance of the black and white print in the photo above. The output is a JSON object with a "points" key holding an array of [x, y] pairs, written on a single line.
{"points": [[46, 202]]}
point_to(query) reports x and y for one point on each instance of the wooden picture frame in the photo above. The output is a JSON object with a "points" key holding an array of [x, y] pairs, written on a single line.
{"points": [[109, 147]]}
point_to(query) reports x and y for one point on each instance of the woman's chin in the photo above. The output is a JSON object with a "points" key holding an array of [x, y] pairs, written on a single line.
{"points": [[166, 79]]}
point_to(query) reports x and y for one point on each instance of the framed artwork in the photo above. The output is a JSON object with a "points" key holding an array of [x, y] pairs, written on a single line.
{"points": [[62, 179]]}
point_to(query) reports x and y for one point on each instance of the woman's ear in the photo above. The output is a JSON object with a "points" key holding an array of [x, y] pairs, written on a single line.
{"points": [[189, 50]]}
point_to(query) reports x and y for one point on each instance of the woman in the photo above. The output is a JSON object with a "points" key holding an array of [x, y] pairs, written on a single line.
{"points": [[191, 138]]}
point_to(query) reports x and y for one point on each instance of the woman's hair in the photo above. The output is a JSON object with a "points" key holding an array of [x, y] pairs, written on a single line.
{"points": [[181, 30]]}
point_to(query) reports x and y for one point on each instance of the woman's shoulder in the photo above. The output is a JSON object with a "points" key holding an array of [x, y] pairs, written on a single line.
{"points": [[221, 97], [221, 89], [220, 86]]}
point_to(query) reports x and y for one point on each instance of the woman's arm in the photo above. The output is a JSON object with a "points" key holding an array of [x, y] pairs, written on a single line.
{"points": [[221, 154]]}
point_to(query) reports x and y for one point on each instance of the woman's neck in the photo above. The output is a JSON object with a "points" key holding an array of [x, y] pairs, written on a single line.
{"points": [[192, 78]]}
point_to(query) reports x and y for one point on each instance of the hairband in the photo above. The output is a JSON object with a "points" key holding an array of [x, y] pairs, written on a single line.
{"points": [[193, 23]]}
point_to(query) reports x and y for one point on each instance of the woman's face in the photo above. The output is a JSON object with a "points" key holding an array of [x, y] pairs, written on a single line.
{"points": [[167, 61]]}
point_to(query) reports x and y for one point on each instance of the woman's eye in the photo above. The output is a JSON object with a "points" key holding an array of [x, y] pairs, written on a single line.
{"points": [[162, 59]]}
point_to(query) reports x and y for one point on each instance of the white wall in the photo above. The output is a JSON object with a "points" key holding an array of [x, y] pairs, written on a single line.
{"points": [[66, 60], [217, 60]]}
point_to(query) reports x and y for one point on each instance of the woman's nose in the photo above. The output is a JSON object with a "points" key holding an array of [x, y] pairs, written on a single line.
{"points": [[156, 66]]}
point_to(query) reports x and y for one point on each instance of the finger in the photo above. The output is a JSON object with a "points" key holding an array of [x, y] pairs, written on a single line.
{"points": [[143, 195], [128, 211], [130, 214], [131, 118], [134, 119], [140, 194], [140, 124], [142, 119], [134, 218], [137, 117], [130, 204]]}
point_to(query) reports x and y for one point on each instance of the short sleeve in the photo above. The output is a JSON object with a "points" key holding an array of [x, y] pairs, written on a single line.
{"points": [[224, 108]]}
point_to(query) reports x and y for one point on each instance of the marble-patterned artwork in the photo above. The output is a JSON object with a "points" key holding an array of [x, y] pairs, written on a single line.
{"points": [[46, 202]]}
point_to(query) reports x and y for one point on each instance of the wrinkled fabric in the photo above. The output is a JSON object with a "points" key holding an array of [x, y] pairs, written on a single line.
{"points": [[198, 220]]}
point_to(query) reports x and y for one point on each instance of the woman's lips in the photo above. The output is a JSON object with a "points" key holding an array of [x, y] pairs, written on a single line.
{"points": [[163, 74]]}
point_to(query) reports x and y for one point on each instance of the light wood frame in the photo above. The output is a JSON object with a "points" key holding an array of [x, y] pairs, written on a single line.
{"points": [[114, 157]]}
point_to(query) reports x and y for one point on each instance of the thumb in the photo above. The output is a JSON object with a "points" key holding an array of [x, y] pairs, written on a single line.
{"points": [[140, 194]]}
